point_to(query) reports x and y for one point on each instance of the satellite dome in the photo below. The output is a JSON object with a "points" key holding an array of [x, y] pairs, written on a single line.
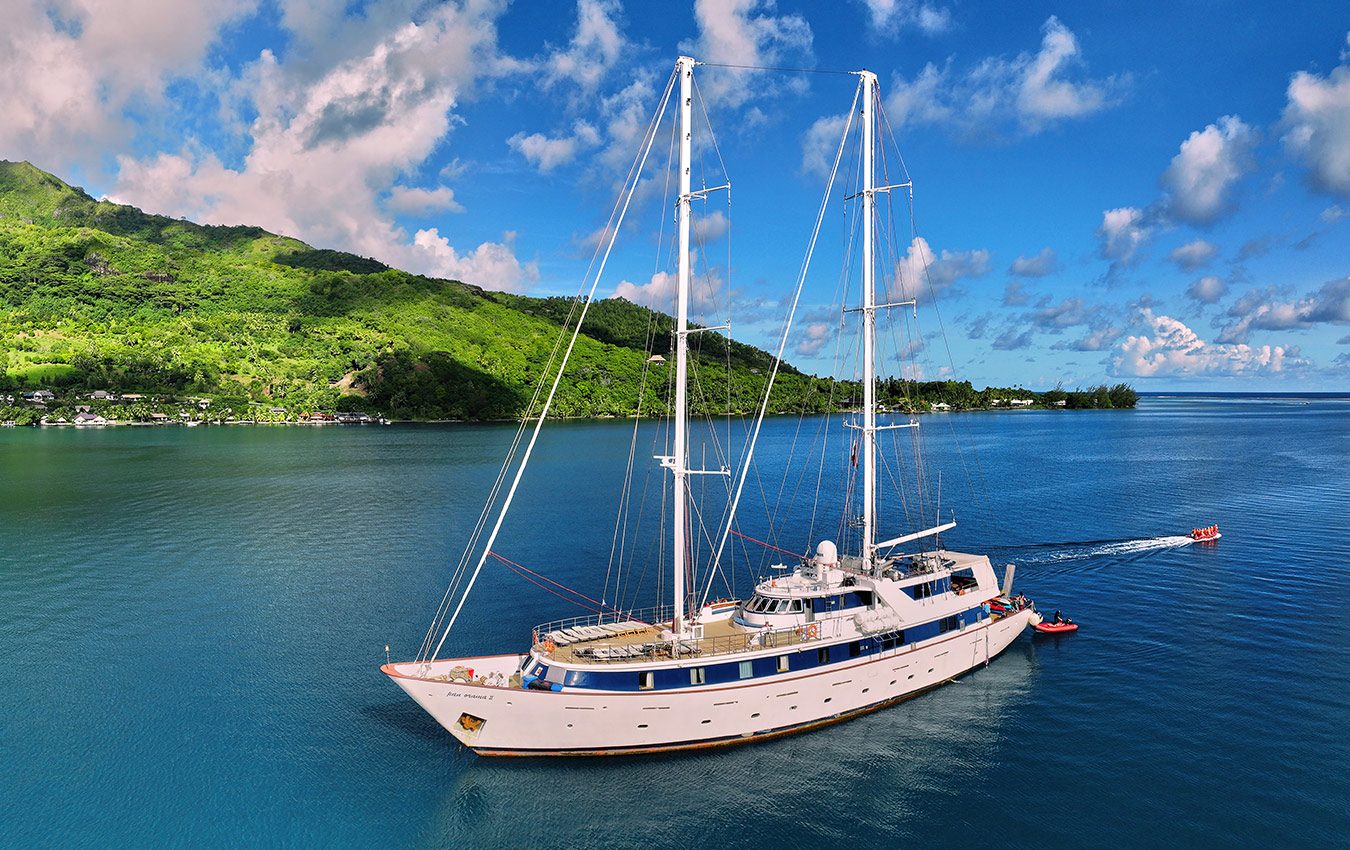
{"points": [[827, 555]]}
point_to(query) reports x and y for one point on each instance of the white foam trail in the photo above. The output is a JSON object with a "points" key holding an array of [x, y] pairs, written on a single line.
{"points": [[1126, 547]]}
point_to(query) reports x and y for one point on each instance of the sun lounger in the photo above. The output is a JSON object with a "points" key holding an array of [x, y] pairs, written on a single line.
{"points": [[559, 638]]}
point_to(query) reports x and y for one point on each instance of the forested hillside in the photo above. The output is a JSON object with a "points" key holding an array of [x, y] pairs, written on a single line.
{"points": [[101, 296]]}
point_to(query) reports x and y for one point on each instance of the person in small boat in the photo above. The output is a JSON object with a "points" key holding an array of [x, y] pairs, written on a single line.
{"points": [[1059, 618]]}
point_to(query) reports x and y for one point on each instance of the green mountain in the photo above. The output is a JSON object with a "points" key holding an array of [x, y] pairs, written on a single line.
{"points": [[96, 295]]}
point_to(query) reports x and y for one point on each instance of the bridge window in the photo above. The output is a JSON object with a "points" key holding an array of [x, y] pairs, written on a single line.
{"points": [[646, 680], [696, 676], [782, 664], [823, 656], [747, 669]]}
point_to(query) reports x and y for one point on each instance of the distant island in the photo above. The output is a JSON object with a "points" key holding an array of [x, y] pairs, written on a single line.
{"points": [[109, 313]]}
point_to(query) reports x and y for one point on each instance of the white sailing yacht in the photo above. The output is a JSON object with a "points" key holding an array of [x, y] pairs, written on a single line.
{"points": [[834, 636]]}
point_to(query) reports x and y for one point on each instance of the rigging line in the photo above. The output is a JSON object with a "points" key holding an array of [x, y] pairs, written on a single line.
{"points": [[543, 413], [779, 68], [547, 589], [625, 497], [782, 343], [770, 546], [521, 568]]}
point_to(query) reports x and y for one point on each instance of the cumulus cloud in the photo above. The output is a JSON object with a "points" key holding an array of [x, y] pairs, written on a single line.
{"points": [[1040, 265], [1014, 295], [1065, 314], [744, 32], [921, 272], [596, 45], [821, 143], [1012, 340], [711, 227], [1021, 95], [1171, 349], [1207, 290], [405, 199], [889, 16], [658, 293], [1123, 231], [1098, 339], [1200, 180], [69, 71], [1317, 118], [325, 145], [491, 263], [1264, 309], [813, 338], [1193, 255], [547, 153]]}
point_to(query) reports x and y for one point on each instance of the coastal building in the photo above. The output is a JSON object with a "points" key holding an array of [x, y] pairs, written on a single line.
{"points": [[939, 406], [1022, 402], [86, 418]]}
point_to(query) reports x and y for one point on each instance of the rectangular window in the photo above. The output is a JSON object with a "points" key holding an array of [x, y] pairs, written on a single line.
{"points": [[855, 649], [747, 669], [782, 664], [822, 656], [948, 624], [696, 676], [646, 680]]}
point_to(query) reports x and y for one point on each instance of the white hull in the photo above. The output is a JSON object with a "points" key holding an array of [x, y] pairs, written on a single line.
{"points": [[523, 722]]}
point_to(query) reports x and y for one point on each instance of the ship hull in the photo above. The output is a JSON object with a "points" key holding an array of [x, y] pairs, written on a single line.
{"points": [[578, 722]]}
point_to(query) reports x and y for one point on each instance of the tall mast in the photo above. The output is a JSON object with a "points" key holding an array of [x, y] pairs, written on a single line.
{"points": [[869, 311], [680, 463]]}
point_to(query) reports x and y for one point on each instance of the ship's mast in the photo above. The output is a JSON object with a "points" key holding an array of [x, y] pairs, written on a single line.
{"points": [[869, 318], [680, 462]]}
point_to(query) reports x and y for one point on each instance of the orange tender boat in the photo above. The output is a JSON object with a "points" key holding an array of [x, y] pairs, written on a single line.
{"points": [[1206, 534]]}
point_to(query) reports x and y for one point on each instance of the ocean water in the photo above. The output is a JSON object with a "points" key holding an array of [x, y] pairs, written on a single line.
{"points": [[192, 620]]}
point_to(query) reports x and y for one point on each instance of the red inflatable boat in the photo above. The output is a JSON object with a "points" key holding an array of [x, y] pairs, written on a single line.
{"points": [[1055, 628]]}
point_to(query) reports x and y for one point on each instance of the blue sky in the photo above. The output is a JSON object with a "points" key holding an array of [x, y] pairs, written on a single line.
{"points": [[1157, 193]]}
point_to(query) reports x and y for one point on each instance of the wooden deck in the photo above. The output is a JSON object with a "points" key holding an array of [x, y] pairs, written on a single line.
{"points": [[720, 637]]}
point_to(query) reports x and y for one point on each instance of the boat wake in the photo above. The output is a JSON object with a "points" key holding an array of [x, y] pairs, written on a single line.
{"points": [[1059, 552]]}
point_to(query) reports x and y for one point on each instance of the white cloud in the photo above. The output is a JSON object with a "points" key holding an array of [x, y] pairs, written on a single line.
{"points": [[813, 338], [711, 227], [491, 264], [326, 145], [889, 16], [596, 45], [547, 153], [1021, 95], [1317, 116], [69, 70], [1330, 304], [1207, 290], [1123, 231], [1015, 294], [921, 272], [1040, 265], [744, 32], [821, 143], [1202, 175], [1172, 349], [1193, 255], [405, 199]]}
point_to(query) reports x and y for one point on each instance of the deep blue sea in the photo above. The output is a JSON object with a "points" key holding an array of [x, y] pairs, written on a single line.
{"points": [[192, 621]]}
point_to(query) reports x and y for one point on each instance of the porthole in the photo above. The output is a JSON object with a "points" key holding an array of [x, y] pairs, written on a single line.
{"points": [[707, 722], [865, 690], [827, 699], [753, 716], [642, 725]]}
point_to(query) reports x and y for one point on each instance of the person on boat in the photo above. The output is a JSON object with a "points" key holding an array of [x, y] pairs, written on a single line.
{"points": [[1059, 618]]}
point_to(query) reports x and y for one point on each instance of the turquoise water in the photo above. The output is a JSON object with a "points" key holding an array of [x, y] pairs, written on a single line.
{"points": [[191, 622]]}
